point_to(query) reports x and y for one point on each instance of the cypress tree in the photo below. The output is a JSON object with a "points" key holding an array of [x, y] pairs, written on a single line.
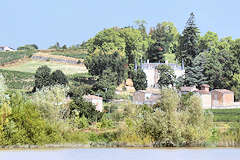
{"points": [[188, 48]]}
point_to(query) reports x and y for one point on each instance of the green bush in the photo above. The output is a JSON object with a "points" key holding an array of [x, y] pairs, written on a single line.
{"points": [[26, 126], [58, 77], [84, 108], [42, 77], [105, 122], [139, 80]]}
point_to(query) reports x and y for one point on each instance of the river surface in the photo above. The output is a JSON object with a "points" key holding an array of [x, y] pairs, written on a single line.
{"points": [[123, 154]]}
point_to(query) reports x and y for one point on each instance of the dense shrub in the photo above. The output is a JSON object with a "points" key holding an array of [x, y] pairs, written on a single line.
{"points": [[52, 102], [84, 108], [139, 80], [106, 85], [24, 124], [97, 64], [42, 77], [168, 124], [58, 77]]}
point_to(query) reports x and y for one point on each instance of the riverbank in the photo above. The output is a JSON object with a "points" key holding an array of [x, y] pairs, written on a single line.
{"points": [[115, 145]]}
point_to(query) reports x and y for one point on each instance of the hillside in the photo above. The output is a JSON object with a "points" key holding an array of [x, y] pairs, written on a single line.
{"points": [[18, 67]]}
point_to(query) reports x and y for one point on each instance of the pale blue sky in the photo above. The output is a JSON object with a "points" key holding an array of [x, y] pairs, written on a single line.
{"points": [[44, 22]]}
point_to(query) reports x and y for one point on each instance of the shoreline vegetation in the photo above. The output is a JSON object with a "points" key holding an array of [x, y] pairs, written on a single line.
{"points": [[116, 145]]}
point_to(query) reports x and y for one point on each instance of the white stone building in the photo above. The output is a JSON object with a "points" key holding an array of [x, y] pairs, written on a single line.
{"points": [[152, 73]]}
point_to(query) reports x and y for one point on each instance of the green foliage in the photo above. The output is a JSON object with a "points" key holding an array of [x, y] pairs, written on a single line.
{"points": [[194, 76], [106, 85], [106, 41], [42, 77], [208, 42], [220, 69], [165, 40], [58, 78], [106, 137], [188, 42], [129, 42], [8, 57], [139, 80], [18, 80], [81, 54], [84, 108], [52, 102], [26, 126], [170, 124], [30, 47], [105, 122], [135, 45], [96, 65], [80, 122], [166, 76], [226, 115]]}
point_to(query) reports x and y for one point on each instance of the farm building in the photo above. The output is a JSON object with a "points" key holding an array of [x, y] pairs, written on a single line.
{"points": [[146, 97], [215, 98], [205, 96], [222, 98], [98, 101], [6, 48]]}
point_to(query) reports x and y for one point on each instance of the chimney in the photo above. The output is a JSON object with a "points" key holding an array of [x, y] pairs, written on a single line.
{"points": [[205, 87]]}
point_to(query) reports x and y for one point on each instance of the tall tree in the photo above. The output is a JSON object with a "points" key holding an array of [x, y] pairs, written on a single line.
{"points": [[106, 84], [164, 36], [166, 76], [98, 63], [188, 42], [208, 42], [195, 74], [139, 80]]}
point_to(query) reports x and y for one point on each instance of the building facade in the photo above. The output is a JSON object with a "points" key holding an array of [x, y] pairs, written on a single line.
{"points": [[222, 98], [149, 97], [98, 101], [153, 75], [6, 48]]}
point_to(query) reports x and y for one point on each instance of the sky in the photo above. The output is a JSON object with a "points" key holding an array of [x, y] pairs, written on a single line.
{"points": [[45, 22]]}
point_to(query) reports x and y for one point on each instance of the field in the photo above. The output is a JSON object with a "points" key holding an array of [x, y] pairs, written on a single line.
{"points": [[226, 115], [18, 80], [32, 65], [7, 57]]}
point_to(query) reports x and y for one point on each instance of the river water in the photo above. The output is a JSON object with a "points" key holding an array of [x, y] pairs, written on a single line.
{"points": [[123, 154]]}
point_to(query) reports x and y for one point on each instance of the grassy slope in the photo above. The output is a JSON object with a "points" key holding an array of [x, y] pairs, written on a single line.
{"points": [[226, 115], [7, 57], [18, 80], [31, 67]]}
